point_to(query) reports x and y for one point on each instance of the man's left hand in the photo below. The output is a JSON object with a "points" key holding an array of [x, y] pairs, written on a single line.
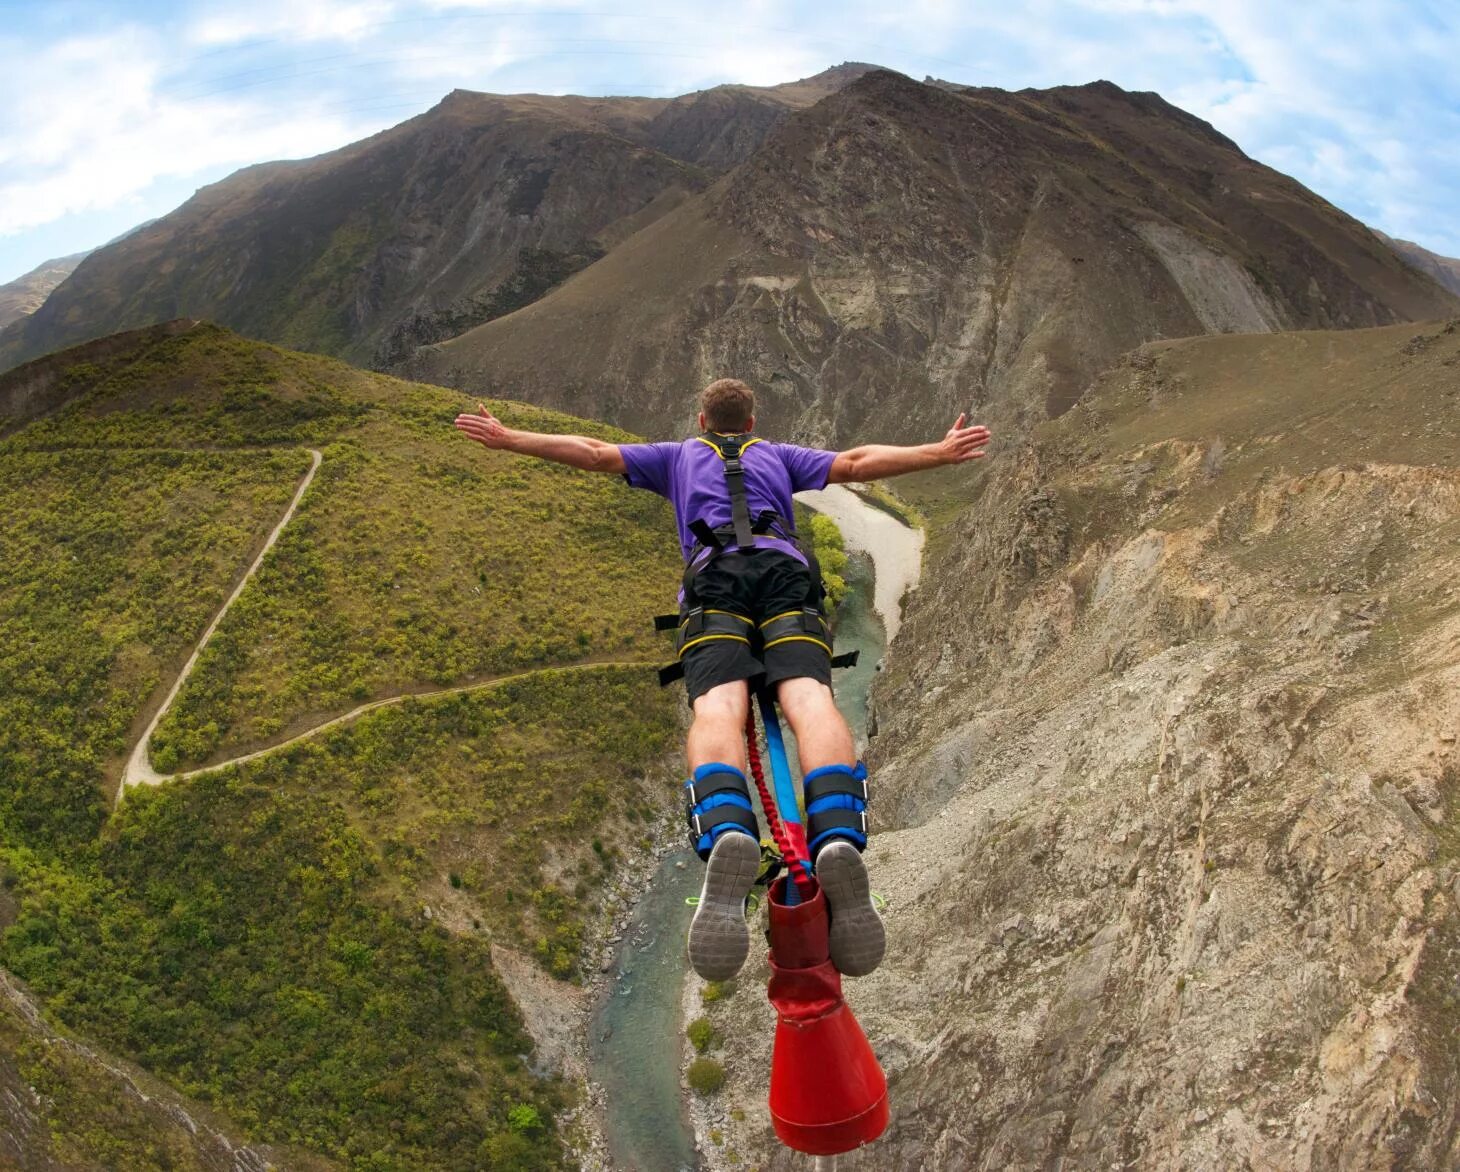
{"points": [[484, 427]]}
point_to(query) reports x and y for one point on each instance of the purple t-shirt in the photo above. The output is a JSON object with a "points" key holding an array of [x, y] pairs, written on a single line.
{"points": [[692, 476]]}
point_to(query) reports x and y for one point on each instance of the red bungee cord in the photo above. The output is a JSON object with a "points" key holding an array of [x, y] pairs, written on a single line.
{"points": [[789, 854]]}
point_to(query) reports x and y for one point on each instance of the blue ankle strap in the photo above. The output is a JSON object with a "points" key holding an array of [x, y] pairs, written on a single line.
{"points": [[717, 801], [836, 805]]}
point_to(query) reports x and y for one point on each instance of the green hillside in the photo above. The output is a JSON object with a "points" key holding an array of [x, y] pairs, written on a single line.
{"points": [[302, 940]]}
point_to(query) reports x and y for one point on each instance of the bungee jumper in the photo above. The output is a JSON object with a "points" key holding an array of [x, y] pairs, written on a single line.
{"points": [[751, 618]]}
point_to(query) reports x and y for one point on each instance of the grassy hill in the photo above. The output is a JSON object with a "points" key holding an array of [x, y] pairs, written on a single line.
{"points": [[302, 941]]}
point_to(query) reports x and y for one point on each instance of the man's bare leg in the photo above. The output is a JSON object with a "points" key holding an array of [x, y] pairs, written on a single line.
{"points": [[823, 739], [822, 735], [718, 731], [719, 940]]}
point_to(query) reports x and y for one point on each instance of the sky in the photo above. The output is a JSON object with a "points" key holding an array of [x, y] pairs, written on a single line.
{"points": [[112, 114]]}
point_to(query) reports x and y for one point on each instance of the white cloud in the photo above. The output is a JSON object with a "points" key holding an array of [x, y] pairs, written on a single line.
{"points": [[224, 24], [1357, 101], [87, 127]]}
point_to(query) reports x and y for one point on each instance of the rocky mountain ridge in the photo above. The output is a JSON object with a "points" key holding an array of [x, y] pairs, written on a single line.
{"points": [[1444, 269], [900, 252], [24, 295], [463, 213]]}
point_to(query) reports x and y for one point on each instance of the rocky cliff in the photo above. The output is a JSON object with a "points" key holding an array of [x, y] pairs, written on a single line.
{"points": [[1167, 781], [900, 251]]}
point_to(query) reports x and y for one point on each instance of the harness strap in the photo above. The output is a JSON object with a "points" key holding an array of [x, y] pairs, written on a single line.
{"points": [[703, 626], [729, 449], [705, 535], [806, 625], [671, 672], [739, 506]]}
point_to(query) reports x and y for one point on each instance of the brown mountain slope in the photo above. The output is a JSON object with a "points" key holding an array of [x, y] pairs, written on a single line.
{"points": [[898, 252], [336, 252], [715, 128], [24, 295], [1168, 781], [1444, 269], [461, 214]]}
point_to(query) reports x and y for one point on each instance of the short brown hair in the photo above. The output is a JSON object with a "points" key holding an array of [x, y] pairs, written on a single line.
{"points": [[728, 405]]}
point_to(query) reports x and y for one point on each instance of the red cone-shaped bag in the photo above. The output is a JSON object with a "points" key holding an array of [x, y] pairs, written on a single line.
{"points": [[828, 1094]]}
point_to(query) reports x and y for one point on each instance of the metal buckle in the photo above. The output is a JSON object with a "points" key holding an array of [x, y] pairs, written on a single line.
{"points": [[700, 833]]}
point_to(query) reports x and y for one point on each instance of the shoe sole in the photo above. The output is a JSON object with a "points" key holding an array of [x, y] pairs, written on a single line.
{"points": [[858, 938], [719, 939]]}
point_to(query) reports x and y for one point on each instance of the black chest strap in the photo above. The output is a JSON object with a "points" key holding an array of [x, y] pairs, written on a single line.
{"points": [[729, 448]]}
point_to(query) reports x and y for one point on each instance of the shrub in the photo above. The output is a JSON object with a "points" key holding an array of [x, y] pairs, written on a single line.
{"points": [[524, 1118], [701, 1034], [705, 1076], [716, 991]]}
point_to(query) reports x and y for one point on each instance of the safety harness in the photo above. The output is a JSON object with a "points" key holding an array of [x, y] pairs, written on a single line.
{"points": [[699, 624], [717, 797]]}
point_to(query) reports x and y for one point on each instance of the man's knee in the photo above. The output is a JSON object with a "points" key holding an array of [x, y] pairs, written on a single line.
{"points": [[804, 694], [724, 704]]}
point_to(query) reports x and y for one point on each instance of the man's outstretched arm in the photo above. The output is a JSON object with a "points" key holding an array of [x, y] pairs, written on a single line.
{"points": [[876, 461], [577, 451]]}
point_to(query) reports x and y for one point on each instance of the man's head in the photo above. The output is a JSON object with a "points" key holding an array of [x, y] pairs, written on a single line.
{"points": [[727, 405]]}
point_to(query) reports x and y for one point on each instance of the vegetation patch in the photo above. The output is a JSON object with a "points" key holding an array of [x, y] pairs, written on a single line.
{"points": [[705, 1076], [303, 940], [111, 563]]}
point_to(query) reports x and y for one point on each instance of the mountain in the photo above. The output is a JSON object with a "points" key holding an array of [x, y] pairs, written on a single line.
{"points": [[1444, 269], [459, 215], [899, 252], [24, 295], [430, 734], [1166, 779]]}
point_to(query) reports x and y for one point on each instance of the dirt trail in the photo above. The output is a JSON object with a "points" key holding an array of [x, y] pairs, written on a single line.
{"points": [[139, 769], [356, 713]]}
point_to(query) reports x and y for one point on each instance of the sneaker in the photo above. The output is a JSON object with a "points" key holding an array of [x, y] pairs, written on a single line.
{"points": [[858, 938], [719, 940]]}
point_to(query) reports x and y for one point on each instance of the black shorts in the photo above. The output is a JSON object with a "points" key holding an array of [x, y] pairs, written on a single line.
{"points": [[758, 585]]}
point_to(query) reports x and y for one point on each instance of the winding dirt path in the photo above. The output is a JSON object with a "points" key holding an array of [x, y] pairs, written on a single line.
{"points": [[356, 713], [895, 548], [139, 770]]}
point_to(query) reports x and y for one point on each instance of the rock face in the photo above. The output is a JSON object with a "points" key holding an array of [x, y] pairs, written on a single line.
{"points": [[24, 295], [901, 251], [1167, 780], [1444, 269], [461, 214]]}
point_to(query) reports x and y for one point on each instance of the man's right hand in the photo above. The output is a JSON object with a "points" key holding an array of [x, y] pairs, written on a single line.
{"points": [[964, 443]]}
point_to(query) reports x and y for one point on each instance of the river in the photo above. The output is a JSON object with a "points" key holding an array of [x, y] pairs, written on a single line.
{"points": [[637, 1030]]}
